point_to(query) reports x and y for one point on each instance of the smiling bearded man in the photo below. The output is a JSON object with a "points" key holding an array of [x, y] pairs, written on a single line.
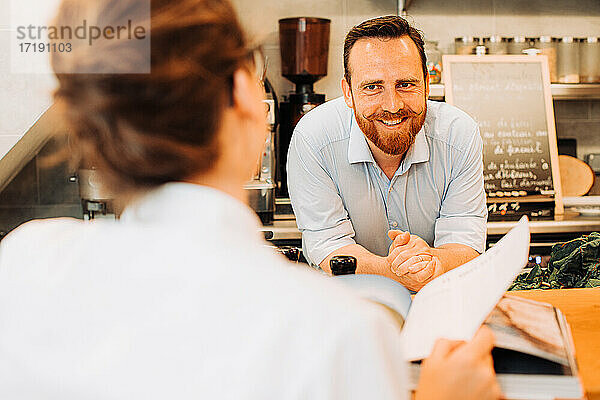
{"points": [[396, 143], [391, 130], [382, 173]]}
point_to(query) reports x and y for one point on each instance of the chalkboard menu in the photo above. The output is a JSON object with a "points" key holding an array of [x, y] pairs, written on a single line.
{"points": [[509, 97]]}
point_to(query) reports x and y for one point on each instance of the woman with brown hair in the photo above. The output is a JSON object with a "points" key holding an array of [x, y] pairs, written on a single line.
{"points": [[180, 298]]}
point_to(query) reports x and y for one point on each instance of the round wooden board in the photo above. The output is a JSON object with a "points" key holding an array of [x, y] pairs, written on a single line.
{"points": [[576, 177]]}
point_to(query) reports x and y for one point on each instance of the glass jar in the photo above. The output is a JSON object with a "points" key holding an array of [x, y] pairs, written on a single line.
{"points": [[547, 46], [481, 50], [496, 44], [567, 51], [465, 44], [589, 60], [434, 61], [530, 43], [517, 44]]}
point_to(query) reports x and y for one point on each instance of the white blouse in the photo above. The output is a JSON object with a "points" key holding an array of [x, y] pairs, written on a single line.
{"points": [[180, 299]]}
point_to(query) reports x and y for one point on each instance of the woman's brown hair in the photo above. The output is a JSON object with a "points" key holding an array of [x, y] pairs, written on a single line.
{"points": [[144, 129]]}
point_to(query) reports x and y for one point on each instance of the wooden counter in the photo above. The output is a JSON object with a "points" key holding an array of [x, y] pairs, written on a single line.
{"points": [[285, 228], [581, 307]]}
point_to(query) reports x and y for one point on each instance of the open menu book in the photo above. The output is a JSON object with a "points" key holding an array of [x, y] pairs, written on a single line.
{"points": [[534, 356], [533, 328], [534, 353], [454, 305]]}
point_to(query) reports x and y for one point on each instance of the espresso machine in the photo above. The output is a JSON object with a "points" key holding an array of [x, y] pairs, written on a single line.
{"points": [[304, 47], [96, 200], [261, 188]]}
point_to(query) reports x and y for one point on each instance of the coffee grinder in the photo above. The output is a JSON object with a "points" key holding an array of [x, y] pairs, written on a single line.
{"points": [[304, 46]]}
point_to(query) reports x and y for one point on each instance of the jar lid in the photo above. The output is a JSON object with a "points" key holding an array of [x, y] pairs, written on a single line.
{"points": [[494, 39], [519, 39], [481, 50], [567, 39], [546, 39], [464, 39], [532, 52], [591, 39]]}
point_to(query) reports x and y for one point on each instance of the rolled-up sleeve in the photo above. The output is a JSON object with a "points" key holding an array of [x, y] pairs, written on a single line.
{"points": [[320, 213], [463, 214]]}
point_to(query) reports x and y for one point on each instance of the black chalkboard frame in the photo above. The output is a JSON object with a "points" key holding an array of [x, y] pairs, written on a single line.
{"points": [[542, 61]]}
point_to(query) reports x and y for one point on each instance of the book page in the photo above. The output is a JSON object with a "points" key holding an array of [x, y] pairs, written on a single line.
{"points": [[529, 327], [455, 304]]}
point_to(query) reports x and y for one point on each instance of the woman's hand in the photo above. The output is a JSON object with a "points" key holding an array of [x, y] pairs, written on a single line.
{"points": [[459, 370]]}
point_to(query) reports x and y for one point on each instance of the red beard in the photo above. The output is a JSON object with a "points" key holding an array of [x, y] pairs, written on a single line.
{"points": [[392, 143]]}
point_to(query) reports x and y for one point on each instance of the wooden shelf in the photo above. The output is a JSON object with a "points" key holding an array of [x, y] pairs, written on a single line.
{"points": [[571, 91], [560, 91]]}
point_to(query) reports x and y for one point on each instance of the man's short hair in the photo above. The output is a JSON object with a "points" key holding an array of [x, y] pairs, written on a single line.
{"points": [[388, 27]]}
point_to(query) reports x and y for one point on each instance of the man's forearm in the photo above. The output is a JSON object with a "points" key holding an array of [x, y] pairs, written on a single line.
{"points": [[366, 262], [450, 256], [453, 255]]}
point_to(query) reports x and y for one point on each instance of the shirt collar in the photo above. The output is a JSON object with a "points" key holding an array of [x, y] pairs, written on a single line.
{"points": [[418, 152], [178, 203], [359, 151]]}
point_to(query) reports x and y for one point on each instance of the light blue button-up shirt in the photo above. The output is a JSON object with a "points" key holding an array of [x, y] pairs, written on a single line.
{"points": [[340, 195]]}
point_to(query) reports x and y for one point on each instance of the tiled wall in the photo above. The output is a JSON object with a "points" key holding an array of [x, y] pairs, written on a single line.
{"points": [[39, 191], [440, 20], [23, 97], [36, 192], [444, 20], [579, 119]]}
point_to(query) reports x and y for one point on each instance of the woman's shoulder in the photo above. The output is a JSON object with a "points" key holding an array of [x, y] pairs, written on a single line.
{"points": [[40, 229]]}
